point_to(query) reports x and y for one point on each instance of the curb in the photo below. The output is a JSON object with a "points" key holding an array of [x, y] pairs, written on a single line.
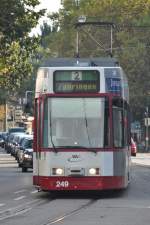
{"points": [[8, 165], [140, 164]]}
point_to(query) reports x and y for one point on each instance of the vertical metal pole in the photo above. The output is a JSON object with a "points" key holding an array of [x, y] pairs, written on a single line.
{"points": [[5, 115], [13, 116], [111, 39], [77, 35], [147, 137], [77, 44]]}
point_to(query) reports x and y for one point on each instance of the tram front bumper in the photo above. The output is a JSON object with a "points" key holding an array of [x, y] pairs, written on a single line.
{"points": [[79, 183]]}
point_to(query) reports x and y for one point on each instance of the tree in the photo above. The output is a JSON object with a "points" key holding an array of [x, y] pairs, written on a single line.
{"points": [[16, 47], [131, 42]]}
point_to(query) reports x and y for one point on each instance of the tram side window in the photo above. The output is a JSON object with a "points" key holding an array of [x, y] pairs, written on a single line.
{"points": [[118, 129]]}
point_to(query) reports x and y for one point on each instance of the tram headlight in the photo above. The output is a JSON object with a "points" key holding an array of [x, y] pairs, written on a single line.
{"points": [[94, 171], [57, 171]]}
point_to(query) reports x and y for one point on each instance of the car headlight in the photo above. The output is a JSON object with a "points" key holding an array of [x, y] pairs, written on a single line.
{"points": [[57, 171], [94, 171], [27, 156]]}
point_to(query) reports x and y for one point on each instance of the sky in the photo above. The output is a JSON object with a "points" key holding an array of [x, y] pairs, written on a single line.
{"points": [[50, 6]]}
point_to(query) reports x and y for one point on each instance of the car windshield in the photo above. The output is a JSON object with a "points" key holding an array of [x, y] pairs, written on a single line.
{"points": [[75, 122], [16, 130], [28, 144]]}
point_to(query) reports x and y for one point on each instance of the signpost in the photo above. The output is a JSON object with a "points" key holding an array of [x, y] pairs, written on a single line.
{"points": [[18, 115]]}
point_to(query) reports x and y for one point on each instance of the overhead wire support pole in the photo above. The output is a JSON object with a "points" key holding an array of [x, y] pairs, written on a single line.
{"points": [[147, 133], [111, 39], [6, 109], [77, 34], [77, 44]]}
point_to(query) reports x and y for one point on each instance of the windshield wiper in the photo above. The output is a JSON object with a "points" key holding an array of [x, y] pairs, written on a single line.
{"points": [[51, 133], [86, 122]]}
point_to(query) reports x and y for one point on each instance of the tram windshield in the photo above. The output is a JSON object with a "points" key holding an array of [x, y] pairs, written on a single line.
{"points": [[76, 123]]}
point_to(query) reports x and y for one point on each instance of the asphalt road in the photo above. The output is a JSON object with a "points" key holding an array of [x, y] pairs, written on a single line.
{"points": [[21, 204]]}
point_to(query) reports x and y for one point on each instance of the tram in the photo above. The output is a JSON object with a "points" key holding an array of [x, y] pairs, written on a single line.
{"points": [[81, 126]]}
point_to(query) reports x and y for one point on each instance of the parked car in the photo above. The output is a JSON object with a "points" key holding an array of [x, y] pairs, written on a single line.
{"points": [[27, 160], [11, 132], [26, 154], [16, 130], [4, 135], [8, 143], [15, 142], [19, 145], [1, 140], [133, 147], [20, 148]]}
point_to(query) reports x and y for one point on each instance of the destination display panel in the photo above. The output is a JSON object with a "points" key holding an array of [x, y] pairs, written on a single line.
{"points": [[76, 81]]}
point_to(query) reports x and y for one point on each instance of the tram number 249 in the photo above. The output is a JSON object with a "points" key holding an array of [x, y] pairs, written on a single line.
{"points": [[62, 184]]}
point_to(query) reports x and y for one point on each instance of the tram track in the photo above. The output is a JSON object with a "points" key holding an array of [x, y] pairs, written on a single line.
{"points": [[69, 214], [22, 208], [30, 205]]}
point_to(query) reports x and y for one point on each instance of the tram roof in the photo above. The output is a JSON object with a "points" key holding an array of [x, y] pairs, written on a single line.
{"points": [[84, 62]]}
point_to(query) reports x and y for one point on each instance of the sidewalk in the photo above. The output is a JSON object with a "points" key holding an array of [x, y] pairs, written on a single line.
{"points": [[141, 159], [6, 160]]}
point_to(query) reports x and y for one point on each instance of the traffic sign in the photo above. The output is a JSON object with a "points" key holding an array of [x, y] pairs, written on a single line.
{"points": [[18, 115], [147, 121]]}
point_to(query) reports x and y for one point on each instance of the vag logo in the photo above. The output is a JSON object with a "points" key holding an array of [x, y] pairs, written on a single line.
{"points": [[75, 158]]}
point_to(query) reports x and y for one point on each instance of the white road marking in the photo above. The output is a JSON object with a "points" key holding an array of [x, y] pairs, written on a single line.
{"points": [[33, 192], [22, 205], [20, 191], [2, 204], [19, 198], [20, 209]]}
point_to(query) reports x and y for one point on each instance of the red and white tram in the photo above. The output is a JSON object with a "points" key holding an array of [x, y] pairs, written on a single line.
{"points": [[82, 129]]}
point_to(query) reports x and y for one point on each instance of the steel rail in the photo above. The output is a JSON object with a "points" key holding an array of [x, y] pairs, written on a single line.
{"points": [[22, 208], [71, 213]]}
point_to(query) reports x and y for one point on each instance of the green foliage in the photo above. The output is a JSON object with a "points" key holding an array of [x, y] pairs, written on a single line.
{"points": [[16, 47], [131, 40], [18, 18]]}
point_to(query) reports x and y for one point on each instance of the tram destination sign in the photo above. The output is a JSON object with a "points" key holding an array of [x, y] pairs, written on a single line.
{"points": [[76, 81]]}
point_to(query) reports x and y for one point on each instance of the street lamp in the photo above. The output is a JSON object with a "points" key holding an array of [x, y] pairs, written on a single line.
{"points": [[28, 104], [26, 96]]}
